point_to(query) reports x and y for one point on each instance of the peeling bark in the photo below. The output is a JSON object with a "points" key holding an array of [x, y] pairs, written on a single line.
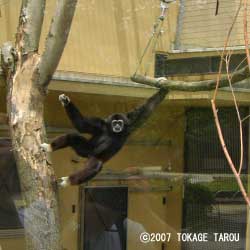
{"points": [[25, 108]]}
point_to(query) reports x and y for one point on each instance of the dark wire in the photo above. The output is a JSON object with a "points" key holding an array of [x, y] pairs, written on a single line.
{"points": [[217, 7]]}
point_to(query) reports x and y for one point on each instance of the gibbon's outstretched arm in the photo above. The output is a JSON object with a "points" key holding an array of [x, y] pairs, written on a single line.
{"points": [[81, 123], [141, 113]]}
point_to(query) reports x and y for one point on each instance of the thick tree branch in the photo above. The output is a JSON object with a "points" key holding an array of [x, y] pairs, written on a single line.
{"points": [[237, 76], [30, 25], [56, 39]]}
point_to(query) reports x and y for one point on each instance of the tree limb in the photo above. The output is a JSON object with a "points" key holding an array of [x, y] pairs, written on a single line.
{"points": [[227, 155], [30, 25], [56, 39], [237, 76]]}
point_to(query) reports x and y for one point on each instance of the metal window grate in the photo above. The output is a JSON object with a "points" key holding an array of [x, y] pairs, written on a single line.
{"points": [[194, 65], [213, 204]]}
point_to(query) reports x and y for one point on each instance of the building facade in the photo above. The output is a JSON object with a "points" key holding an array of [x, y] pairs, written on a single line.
{"points": [[147, 179]]}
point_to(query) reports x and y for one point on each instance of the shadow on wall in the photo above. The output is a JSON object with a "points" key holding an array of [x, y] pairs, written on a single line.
{"points": [[8, 169], [9, 187]]}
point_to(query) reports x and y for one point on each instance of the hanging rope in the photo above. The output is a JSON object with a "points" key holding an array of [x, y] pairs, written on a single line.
{"points": [[154, 44], [157, 31]]}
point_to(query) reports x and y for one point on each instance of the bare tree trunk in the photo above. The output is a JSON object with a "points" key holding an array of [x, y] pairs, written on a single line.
{"points": [[27, 76], [25, 107]]}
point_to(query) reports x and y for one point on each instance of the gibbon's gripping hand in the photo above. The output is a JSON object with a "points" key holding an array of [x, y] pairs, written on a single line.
{"points": [[64, 99], [63, 182], [46, 147]]}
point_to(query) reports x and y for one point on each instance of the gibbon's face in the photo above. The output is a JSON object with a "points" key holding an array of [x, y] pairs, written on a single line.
{"points": [[118, 123]]}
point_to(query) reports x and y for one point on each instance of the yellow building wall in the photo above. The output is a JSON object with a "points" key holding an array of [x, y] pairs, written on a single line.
{"points": [[12, 243], [107, 37]]}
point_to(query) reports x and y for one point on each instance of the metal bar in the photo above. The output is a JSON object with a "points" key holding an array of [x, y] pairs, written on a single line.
{"points": [[177, 50]]}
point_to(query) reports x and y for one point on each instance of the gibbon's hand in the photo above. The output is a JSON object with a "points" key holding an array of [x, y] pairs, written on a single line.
{"points": [[64, 99], [63, 182], [46, 147]]}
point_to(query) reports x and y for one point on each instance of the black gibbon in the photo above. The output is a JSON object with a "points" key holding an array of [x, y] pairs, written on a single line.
{"points": [[108, 135]]}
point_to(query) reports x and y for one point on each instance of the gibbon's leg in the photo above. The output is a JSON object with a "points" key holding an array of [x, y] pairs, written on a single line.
{"points": [[80, 145], [92, 168]]}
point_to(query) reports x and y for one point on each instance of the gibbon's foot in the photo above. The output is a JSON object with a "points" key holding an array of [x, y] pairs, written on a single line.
{"points": [[64, 99], [161, 79], [63, 182], [46, 147]]}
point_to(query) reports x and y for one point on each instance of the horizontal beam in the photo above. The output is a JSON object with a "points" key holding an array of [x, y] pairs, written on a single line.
{"points": [[120, 86]]}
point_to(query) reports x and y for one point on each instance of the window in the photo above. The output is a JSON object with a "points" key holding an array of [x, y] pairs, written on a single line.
{"points": [[194, 65], [212, 201]]}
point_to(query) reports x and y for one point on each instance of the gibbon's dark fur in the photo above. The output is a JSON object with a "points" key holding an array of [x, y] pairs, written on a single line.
{"points": [[108, 135]]}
